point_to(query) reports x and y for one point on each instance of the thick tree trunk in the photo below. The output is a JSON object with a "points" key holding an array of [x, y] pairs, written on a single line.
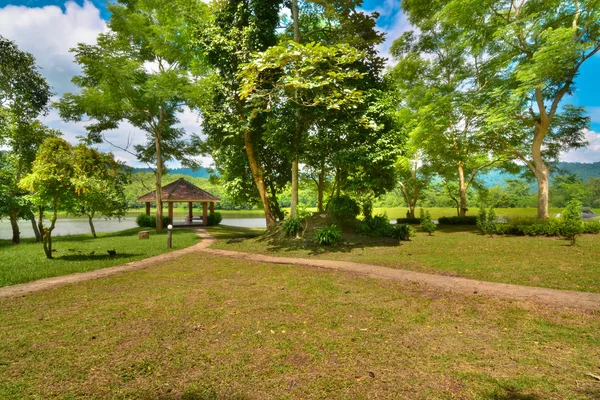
{"points": [[159, 170], [462, 191], [321, 190], [297, 133], [540, 169], [14, 224], [92, 229], [258, 176], [34, 227], [294, 204]]}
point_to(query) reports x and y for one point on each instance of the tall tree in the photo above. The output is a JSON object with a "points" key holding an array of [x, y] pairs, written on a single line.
{"points": [[239, 29], [531, 52], [99, 181], [24, 94], [139, 72], [50, 184]]}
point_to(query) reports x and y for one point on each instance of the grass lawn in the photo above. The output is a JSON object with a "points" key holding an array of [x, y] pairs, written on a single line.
{"points": [[460, 251], [27, 262], [204, 327]]}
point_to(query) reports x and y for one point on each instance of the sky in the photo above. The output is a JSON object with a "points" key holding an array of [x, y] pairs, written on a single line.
{"points": [[49, 28]]}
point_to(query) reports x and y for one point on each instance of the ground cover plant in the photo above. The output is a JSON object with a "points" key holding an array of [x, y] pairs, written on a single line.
{"points": [[463, 251], [204, 327], [80, 253]]}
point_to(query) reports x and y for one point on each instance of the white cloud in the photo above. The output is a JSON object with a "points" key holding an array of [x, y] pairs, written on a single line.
{"points": [[48, 33], [589, 154]]}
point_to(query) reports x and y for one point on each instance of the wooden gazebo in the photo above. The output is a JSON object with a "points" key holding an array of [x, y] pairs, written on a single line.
{"points": [[182, 191]]}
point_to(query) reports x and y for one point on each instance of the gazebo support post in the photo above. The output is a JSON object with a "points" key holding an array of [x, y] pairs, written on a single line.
{"points": [[190, 213], [212, 208], [205, 214], [147, 208], [171, 211]]}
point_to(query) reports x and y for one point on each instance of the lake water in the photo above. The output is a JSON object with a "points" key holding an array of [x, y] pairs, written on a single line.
{"points": [[75, 226]]}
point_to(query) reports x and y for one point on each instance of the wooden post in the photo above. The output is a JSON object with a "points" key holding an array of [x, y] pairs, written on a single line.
{"points": [[190, 213], [171, 211], [205, 213], [147, 208], [212, 208]]}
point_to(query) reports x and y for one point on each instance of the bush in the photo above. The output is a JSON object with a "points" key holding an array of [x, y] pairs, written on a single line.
{"points": [[292, 226], [410, 221], [367, 210], [377, 226], [470, 220], [529, 226], [214, 219], [149, 221], [426, 222], [591, 227], [344, 209], [328, 235], [571, 222], [486, 221], [402, 232]]}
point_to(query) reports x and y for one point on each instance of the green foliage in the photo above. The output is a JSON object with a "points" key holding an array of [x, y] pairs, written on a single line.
{"points": [[378, 226], [328, 235], [292, 226], [529, 226], [344, 209], [591, 228], [367, 209], [410, 221], [214, 219], [426, 223], [149, 221], [403, 232], [571, 223], [468, 220], [487, 221]]}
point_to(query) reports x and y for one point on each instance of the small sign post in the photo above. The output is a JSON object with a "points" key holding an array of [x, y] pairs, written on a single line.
{"points": [[170, 237]]}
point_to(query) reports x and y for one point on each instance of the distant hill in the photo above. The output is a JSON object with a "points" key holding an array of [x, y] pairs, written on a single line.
{"points": [[199, 173], [583, 171]]}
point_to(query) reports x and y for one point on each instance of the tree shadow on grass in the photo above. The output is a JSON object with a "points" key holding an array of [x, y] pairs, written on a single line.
{"points": [[513, 394], [96, 257], [352, 242]]}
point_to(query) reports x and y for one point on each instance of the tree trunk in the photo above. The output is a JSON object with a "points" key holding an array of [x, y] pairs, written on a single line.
{"points": [[36, 231], [92, 229], [409, 203], [294, 204], [47, 238], [258, 176], [159, 170], [321, 190], [297, 132], [540, 169], [462, 191], [14, 224]]}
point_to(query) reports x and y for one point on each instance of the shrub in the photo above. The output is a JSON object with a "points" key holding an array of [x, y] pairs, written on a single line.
{"points": [[426, 222], [328, 235], [470, 220], [214, 219], [377, 226], [411, 221], [367, 210], [402, 232], [571, 222], [344, 209], [529, 226], [149, 221], [481, 219], [292, 226], [591, 227]]}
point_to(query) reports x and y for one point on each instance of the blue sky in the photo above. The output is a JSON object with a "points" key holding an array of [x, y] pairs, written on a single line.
{"points": [[48, 28]]}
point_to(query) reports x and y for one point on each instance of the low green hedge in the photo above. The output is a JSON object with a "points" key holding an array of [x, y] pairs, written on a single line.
{"points": [[469, 220], [149, 221]]}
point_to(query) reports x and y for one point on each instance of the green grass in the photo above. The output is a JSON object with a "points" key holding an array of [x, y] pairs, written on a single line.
{"points": [[204, 327], [460, 251], [27, 262]]}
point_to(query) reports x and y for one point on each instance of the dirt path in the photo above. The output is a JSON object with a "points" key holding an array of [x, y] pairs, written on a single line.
{"points": [[562, 298], [50, 283]]}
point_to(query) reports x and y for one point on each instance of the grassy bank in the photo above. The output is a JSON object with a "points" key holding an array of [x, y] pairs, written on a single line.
{"points": [[460, 251], [203, 327], [27, 262]]}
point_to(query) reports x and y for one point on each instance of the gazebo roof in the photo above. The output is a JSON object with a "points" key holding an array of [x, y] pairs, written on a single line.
{"points": [[180, 191]]}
